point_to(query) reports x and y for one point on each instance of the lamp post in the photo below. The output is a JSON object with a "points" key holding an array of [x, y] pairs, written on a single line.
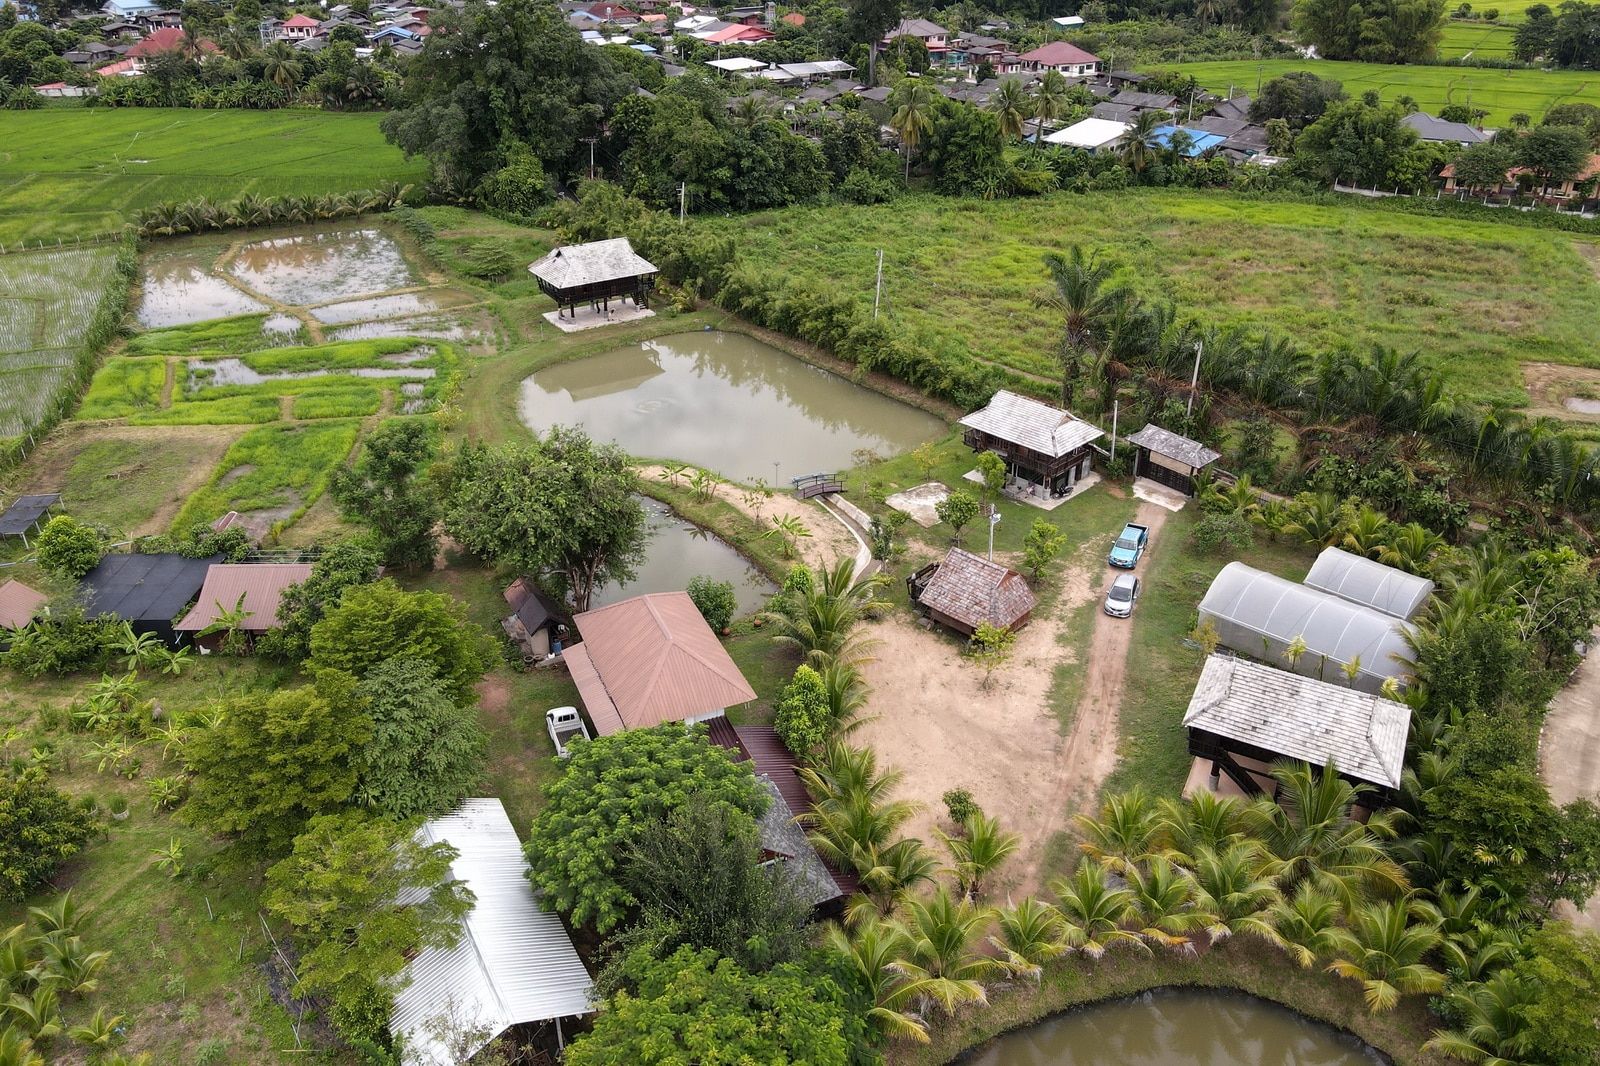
{"points": [[994, 520]]}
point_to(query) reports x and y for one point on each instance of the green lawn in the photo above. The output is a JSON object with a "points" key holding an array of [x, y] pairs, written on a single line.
{"points": [[79, 172], [962, 276], [1502, 92]]}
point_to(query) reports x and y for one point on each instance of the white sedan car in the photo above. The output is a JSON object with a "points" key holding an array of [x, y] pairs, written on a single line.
{"points": [[1121, 597]]}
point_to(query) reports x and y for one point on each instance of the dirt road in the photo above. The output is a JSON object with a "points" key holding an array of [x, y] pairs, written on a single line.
{"points": [[1569, 753]]}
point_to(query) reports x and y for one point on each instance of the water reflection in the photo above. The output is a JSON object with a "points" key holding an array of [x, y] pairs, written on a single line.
{"points": [[396, 306], [724, 401], [316, 267], [178, 289], [680, 551], [1178, 1029]]}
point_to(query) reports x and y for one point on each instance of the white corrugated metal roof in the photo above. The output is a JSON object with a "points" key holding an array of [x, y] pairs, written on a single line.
{"points": [[1034, 425], [1089, 133], [514, 962], [1302, 718]]}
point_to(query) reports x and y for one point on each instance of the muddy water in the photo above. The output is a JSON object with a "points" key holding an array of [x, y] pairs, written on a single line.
{"points": [[218, 372], [1582, 405], [1178, 1029], [396, 306], [178, 289], [446, 329], [724, 401], [679, 551], [318, 267]]}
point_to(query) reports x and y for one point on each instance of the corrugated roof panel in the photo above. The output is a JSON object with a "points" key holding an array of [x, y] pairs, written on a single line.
{"points": [[1366, 581], [1034, 425], [259, 585]]}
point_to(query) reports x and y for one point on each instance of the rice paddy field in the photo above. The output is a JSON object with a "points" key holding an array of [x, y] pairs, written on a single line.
{"points": [[67, 172], [48, 300], [1480, 40], [962, 276], [1502, 93]]}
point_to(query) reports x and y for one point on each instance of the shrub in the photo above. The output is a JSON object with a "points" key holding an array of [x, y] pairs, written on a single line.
{"points": [[520, 187], [863, 186], [62, 642], [68, 548], [960, 806], [488, 260], [715, 599], [804, 719], [1217, 531], [40, 827]]}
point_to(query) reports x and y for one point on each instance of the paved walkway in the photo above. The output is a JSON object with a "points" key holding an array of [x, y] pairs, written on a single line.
{"points": [[1569, 752]]}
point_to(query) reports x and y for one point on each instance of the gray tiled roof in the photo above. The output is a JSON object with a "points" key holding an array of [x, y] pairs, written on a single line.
{"points": [[1430, 128], [1034, 425], [586, 264], [1237, 107], [1165, 442], [781, 836], [1301, 718]]}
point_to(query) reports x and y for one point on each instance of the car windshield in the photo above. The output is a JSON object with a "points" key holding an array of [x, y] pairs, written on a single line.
{"points": [[1121, 592], [1127, 543]]}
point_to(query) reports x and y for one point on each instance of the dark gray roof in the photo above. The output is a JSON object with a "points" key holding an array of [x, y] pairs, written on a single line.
{"points": [[1113, 112], [1147, 100], [144, 588], [1034, 425], [1227, 127], [1442, 132], [25, 512], [589, 264], [878, 95], [782, 837], [1301, 718], [1167, 443], [916, 28], [1250, 140], [1237, 107]]}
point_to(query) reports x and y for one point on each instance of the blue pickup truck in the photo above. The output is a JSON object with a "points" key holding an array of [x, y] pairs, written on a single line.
{"points": [[1129, 546]]}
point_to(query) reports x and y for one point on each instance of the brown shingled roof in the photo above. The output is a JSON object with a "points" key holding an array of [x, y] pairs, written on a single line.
{"points": [[657, 661], [261, 585], [18, 604], [971, 589]]}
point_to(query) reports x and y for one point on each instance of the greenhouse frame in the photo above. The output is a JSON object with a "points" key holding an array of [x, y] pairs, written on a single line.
{"points": [[1362, 580], [1260, 615]]}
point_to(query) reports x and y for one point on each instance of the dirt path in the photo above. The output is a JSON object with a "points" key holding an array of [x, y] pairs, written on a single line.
{"points": [[1569, 754]]}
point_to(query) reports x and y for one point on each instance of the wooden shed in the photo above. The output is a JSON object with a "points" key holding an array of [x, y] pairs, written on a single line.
{"points": [[1169, 459], [595, 274], [966, 590]]}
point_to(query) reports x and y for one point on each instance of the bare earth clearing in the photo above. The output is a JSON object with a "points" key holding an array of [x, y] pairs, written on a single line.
{"points": [[1569, 755]]}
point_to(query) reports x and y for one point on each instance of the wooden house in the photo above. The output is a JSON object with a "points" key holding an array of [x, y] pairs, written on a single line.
{"points": [[966, 590], [1046, 449], [594, 273], [1169, 459]]}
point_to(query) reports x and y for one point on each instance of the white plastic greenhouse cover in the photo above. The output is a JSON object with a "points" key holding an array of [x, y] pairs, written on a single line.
{"points": [[1260, 614], [1362, 580]]}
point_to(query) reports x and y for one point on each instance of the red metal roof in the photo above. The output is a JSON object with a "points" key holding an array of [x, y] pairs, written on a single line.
{"points": [[168, 39], [302, 22], [18, 604], [1058, 54], [658, 661], [260, 584], [731, 34]]}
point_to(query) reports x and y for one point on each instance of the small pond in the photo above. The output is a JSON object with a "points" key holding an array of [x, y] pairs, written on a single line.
{"points": [[727, 402], [179, 289], [1178, 1028], [679, 551], [316, 267]]}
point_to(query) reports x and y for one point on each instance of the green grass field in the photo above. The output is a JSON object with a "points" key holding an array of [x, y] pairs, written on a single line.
{"points": [[80, 172], [1481, 40], [962, 276], [1502, 92]]}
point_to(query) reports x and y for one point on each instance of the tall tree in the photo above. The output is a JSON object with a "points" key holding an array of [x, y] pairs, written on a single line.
{"points": [[376, 623], [426, 750], [1554, 153], [561, 505], [1375, 31], [912, 105], [389, 490], [1086, 300], [1010, 105]]}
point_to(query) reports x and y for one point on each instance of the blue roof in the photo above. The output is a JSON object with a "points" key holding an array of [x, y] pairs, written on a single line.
{"points": [[647, 49], [1201, 142], [124, 8]]}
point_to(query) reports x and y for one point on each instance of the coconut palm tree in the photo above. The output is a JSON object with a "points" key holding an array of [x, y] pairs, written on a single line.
{"points": [[1050, 102], [820, 621], [1317, 519], [1087, 303], [847, 692], [1493, 1026], [1139, 149], [17, 1050], [750, 111], [1307, 924], [1125, 833], [895, 870], [1310, 828], [978, 851], [1204, 820], [1011, 106], [1164, 903], [1366, 532], [1031, 933], [1235, 888], [911, 103], [842, 772], [872, 951], [1383, 948], [1093, 911], [281, 66], [1411, 547], [942, 933], [99, 1032]]}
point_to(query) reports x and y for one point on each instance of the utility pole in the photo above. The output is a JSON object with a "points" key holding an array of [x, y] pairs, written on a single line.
{"points": [[683, 200], [590, 141], [1114, 405], [994, 520], [1194, 381], [877, 288]]}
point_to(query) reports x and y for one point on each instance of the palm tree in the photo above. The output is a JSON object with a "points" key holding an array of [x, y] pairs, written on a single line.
{"points": [[1307, 924], [17, 1050], [1206, 11], [873, 952], [1493, 1027], [1093, 912], [1235, 888], [1010, 105], [1383, 949], [750, 111], [1049, 102], [847, 695], [820, 621], [1125, 832], [1204, 820], [978, 852], [1164, 903], [912, 103], [281, 66], [1031, 934], [1317, 519], [842, 771], [1138, 147], [1086, 302], [1366, 533], [942, 934], [1411, 547], [99, 1032]]}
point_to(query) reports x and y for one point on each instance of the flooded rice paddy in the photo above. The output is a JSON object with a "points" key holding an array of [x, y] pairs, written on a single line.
{"points": [[1178, 1028], [727, 402], [317, 267], [679, 551], [180, 289], [401, 304], [214, 373]]}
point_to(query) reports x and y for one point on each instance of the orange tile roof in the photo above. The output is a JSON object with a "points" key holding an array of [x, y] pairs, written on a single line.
{"points": [[656, 661], [18, 604], [261, 585]]}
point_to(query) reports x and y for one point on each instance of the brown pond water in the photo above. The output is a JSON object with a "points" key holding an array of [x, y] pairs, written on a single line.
{"points": [[724, 401], [679, 551], [398, 305], [1177, 1029], [443, 328], [178, 289], [313, 268]]}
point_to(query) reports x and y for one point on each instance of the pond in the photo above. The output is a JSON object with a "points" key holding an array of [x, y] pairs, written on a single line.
{"points": [[727, 402], [679, 551], [1178, 1028]]}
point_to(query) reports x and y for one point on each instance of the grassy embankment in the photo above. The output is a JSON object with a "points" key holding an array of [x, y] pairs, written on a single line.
{"points": [[1502, 92], [76, 173], [962, 276]]}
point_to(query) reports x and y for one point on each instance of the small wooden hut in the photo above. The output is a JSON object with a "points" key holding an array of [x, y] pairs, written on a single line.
{"points": [[1045, 447], [1169, 459], [966, 590], [594, 274]]}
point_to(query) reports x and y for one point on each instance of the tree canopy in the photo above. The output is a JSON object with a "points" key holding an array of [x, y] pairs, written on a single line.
{"points": [[426, 750], [1353, 142], [348, 563], [376, 623], [608, 794], [1376, 31], [40, 827], [388, 489]]}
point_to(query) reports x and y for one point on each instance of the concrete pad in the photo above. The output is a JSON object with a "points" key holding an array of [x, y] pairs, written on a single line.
{"points": [[1158, 494], [588, 318], [1043, 503], [920, 502]]}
